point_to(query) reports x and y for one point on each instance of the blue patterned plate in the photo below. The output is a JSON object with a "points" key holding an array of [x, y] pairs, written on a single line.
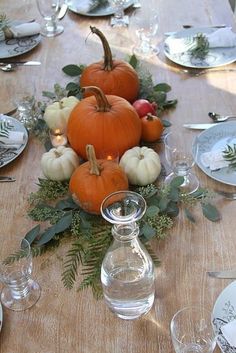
{"points": [[215, 57], [215, 138], [79, 7], [224, 311]]}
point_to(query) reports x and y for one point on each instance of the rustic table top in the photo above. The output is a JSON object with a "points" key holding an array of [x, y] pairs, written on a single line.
{"points": [[73, 321]]}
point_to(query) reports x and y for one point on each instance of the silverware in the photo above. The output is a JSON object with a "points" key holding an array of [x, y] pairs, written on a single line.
{"points": [[222, 274], [23, 63], [11, 112], [199, 126], [227, 195], [62, 12], [7, 179], [199, 72], [211, 26], [220, 118]]}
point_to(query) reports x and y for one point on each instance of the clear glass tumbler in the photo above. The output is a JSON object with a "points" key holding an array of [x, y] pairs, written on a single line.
{"points": [[192, 331], [180, 155], [49, 10], [119, 19], [20, 291], [127, 271]]}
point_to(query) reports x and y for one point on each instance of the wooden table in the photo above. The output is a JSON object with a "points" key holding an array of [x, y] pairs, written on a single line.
{"points": [[71, 321]]}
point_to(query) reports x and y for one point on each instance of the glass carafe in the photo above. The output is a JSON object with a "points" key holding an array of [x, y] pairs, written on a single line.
{"points": [[127, 272]]}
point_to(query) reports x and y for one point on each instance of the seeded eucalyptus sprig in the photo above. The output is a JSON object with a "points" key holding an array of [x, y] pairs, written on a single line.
{"points": [[201, 49], [229, 154]]}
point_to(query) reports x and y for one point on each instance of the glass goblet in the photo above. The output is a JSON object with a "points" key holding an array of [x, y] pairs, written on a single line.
{"points": [[20, 291], [191, 331], [49, 10], [181, 159], [146, 27], [119, 19]]}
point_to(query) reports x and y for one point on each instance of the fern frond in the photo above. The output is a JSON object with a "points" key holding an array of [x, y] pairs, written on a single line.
{"points": [[74, 258]]}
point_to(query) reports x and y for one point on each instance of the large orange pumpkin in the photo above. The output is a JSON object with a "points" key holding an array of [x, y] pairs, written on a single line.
{"points": [[109, 123], [114, 77], [94, 180]]}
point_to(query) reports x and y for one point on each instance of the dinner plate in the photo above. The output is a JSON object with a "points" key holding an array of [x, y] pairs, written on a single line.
{"points": [[12, 155], [215, 138], [215, 57], [17, 46], [80, 7], [1, 316], [223, 312]]}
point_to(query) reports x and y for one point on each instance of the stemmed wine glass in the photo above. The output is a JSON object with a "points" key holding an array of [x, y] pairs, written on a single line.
{"points": [[49, 10], [20, 291], [181, 159], [119, 19], [146, 27]]}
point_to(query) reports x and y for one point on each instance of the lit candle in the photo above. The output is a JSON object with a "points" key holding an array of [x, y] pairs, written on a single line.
{"points": [[58, 137]]}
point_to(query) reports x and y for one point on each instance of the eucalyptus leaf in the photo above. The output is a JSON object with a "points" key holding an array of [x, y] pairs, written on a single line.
{"points": [[152, 211], [177, 182], [189, 215], [67, 204], [172, 209], [170, 103], [210, 212], [198, 193], [72, 70], [72, 86], [48, 94], [46, 236], [162, 87], [147, 231], [32, 234], [174, 194], [163, 203], [133, 61], [64, 223], [160, 97], [166, 123]]}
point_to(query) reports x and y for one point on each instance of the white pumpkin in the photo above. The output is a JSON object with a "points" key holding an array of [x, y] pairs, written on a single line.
{"points": [[141, 164], [57, 114], [59, 163]]}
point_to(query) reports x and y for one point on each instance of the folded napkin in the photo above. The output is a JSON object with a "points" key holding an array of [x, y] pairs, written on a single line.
{"points": [[13, 138], [214, 160], [19, 31], [229, 332], [221, 38]]}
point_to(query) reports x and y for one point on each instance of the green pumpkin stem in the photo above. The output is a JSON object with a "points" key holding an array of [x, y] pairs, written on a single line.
{"points": [[108, 62], [94, 166], [102, 103], [150, 116]]}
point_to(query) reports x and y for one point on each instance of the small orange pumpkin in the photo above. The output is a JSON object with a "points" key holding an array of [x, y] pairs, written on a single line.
{"points": [[152, 128], [109, 123], [94, 180], [115, 77]]}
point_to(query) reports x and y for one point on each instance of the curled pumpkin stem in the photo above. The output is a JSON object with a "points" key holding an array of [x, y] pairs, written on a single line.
{"points": [[108, 62], [102, 103], [94, 166]]}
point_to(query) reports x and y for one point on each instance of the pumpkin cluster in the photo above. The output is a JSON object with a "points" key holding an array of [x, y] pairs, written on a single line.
{"points": [[106, 119]]}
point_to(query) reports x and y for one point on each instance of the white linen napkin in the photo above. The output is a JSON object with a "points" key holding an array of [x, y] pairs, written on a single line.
{"points": [[14, 138], [20, 31], [214, 160], [229, 332], [221, 38]]}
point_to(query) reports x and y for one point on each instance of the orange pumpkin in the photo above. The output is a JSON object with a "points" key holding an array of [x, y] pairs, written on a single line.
{"points": [[114, 77], [152, 128], [109, 123], [94, 180]]}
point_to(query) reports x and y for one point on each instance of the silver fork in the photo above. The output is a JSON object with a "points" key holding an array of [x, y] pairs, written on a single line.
{"points": [[226, 195], [199, 72]]}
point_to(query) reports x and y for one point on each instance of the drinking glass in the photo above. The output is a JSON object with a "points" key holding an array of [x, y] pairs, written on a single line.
{"points": [[49, 10], [181, 159], [20, 291], [119, 19], [191, 331], [146, 27]]}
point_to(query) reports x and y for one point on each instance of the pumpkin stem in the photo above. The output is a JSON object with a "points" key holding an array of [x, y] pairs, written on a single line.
{"points": [[108, 62], [150, 116], [60, 104], [102, 103], [94, 166]]}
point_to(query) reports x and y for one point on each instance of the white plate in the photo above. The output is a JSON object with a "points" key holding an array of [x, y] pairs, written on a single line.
{"points": [[215, 57], [215, 138], [107, 10], [14, 47], [224, 311], [1, 316], [10, 156]]}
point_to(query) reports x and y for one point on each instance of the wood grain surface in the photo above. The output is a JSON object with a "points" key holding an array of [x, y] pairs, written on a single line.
{"points": [[73, 321]]}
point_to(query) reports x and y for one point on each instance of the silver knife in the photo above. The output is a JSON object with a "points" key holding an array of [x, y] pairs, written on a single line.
{"points": [[6, 179], [223, 274], [24, 63], [199, 126]]}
